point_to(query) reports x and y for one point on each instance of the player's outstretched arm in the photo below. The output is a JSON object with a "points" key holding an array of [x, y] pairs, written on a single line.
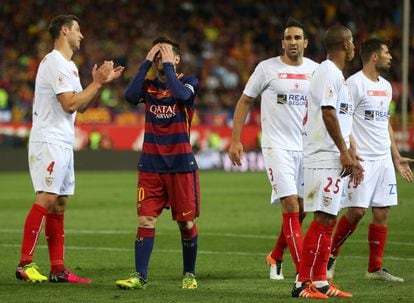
{"points": [[240, 114]]}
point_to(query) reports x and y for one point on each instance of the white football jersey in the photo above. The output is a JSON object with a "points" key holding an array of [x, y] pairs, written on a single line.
{"points": [[51, 123], [327, 88], [370, 127], [284, 95]]}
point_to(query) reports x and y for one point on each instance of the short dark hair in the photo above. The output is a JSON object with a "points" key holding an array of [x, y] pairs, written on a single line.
{"points": [[163, 39], [57, 23], [369, 46], [335, 36], [292, 22]]}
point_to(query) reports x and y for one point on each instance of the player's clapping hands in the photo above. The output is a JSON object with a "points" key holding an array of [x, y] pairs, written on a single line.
{"points": [[115, 73], [106, 72]]}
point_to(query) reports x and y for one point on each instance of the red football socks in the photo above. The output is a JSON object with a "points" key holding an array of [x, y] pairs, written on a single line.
{"points": [[293, 235], [55, 237], [315, 254], [377, 235], [343, 231], [277, 251], [32, 228]]}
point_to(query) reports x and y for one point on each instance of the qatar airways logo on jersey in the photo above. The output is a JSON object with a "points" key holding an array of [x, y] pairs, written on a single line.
{"points": [[376, 115], [162, 111], [292, 99]]}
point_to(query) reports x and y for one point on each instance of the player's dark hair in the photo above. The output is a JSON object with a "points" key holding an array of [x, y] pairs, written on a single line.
{"points": [[335, 36], [175, 45], [57, 23], [370, 46], [292, 22]]}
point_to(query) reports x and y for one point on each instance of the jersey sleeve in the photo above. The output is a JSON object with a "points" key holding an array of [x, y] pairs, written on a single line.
{"points": [[135, 90], [183, 91], [256, 83], [328, 90], [59, 78]]}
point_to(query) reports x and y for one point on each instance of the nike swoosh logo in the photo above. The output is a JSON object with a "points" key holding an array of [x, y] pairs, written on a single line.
{"points": [[187, 213]]}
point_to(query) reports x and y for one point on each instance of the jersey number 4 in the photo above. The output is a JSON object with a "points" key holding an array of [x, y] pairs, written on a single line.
{"points": [[50, 167]]}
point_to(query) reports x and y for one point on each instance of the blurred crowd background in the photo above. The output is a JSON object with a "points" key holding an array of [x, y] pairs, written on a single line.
{"points": [[221, 40]]}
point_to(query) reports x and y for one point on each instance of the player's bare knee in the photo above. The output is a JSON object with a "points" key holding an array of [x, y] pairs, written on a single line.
{"points": [[46, 200], [355, 214], [185, 225], [147, 221], [324, 218], [59, 206], [290, 204], [380, 215]]}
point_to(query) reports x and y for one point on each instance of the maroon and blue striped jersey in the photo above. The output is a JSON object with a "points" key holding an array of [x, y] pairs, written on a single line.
{"points": [[169, 109]]}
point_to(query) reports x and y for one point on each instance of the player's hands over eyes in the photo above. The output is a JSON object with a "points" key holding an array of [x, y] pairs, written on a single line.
{"points": [[236, 153], [167, 53], [403, 166], [153, 51]]}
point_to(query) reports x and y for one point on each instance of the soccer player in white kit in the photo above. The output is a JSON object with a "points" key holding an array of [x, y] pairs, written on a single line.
{"points": [[375, 143], [58, 96], [328, 160], [282, 82]]}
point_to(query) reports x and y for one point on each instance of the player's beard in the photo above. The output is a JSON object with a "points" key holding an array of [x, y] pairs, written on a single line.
{"points": [[294, 56], [383, 69]]}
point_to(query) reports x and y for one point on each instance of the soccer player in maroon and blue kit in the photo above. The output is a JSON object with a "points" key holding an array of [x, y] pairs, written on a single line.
{"points": [[167, 170]]}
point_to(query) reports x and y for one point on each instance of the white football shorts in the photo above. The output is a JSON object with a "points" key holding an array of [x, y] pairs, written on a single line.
{"points": [[284, 169], [51, 168], [378, 189], [323, 190]]}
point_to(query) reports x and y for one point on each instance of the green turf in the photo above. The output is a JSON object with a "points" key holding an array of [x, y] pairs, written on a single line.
{"points": [[236, 229]]}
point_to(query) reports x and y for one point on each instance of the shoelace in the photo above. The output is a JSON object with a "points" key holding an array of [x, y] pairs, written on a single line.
{"points": [[312, 288]]}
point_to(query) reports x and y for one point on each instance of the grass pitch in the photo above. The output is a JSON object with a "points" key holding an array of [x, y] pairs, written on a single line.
{"points": [[237, 228]]}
